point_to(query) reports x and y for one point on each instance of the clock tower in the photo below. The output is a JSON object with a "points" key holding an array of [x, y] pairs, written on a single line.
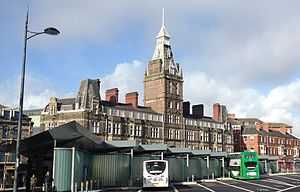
{"points": [[163, 80]]}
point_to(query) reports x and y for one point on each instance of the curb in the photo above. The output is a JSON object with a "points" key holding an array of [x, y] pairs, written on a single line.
{"points": [[290, 173], [224, 179], [185, 183], [208, 180]]}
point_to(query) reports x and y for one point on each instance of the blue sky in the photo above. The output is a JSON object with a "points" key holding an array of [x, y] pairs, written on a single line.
{"points": [[242, 54]]}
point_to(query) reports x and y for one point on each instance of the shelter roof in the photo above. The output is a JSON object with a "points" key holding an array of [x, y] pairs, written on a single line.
{"points": [[179, 150], [153, 147]]}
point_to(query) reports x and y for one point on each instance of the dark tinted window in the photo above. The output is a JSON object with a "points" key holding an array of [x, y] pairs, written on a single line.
{"points": [[155, 168], [250, 165]]}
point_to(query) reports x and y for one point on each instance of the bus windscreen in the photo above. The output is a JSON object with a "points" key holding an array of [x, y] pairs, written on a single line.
{"points": [[155, 168], [250, 165]]}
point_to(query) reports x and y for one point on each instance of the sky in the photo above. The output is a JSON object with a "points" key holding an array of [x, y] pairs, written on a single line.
{"points": [[243, 54]]}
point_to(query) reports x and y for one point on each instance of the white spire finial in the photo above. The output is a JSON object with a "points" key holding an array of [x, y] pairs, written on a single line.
{"points": [[163, 16]]}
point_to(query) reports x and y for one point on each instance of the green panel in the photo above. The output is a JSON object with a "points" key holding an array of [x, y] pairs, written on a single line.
{"points": [[262, 167], [82, 167], [63, 163], [297, 166], [177, 169], [194, 169], [215, 168], [110, 170], [273, 166]]}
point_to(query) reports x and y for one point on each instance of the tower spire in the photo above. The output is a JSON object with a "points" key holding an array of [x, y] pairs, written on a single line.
{"points": [[163, 16]]}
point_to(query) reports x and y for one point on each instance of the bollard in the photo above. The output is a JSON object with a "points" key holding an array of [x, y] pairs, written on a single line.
{"points": [[193, 178], [87, 186], [81, 186], [75, 186], [188, 179], [213, 175], [91, 184], [43, 187]]}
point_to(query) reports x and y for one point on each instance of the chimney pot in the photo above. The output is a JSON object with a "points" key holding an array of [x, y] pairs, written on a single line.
{"points": [[112, 95], [132, 98]]}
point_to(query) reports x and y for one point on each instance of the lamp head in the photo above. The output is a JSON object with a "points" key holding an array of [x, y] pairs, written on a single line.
{"points": [[51, 31]]}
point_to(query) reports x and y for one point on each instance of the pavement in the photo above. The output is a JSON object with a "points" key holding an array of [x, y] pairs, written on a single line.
{"points": [[278, 183]]}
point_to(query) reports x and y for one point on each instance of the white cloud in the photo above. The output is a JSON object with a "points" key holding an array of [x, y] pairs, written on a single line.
{"points": [[36, 95], [281, 104], [127, 77]]}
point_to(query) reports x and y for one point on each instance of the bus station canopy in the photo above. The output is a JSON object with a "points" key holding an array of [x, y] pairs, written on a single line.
{"points": [[153, 148], [68, 135], [201, 152], [218, 154], [178, 151]]}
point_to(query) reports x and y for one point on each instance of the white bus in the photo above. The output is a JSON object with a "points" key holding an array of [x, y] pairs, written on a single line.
{"points": [[155, 173]]}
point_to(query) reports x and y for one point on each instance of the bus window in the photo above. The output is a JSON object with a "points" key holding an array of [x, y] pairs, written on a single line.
{"points": [[250, 165], [155, 168]]}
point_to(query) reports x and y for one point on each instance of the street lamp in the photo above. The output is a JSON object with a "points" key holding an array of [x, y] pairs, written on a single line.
{"points": [[28, 35]]}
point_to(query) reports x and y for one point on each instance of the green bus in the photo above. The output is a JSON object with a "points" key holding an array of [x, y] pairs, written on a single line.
{"points": [[244, 165]]}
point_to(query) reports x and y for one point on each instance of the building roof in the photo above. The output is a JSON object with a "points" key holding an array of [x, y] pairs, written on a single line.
{"points": [[3, 106], [253, 130], [278, 125], [250, 131], [66, 101], [126, 106], [252, 120], [31, 112], [204, 118]]}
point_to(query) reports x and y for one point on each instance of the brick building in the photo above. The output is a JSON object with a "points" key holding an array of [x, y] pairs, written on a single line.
{"points": [[8, 134], [267, 139], [160, 120]]}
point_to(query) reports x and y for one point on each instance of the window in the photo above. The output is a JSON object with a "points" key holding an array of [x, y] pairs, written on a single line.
{"points": [[219, 138], [138, 130], [178, 89], [206, 136], [122, 113], [117, 128], [94, 127], [5, 132], [155, 132], [201, 136], [177, 134], [131, 130], [170, 133], [190, 135]]}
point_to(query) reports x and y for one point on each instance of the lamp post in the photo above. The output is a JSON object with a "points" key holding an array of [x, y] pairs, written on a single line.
{"points": [[28, 35]]}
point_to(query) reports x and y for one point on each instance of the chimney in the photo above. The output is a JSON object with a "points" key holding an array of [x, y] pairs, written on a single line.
{"points": [[231, 116], [198, 111], [132, 98], [186, 108], [217, 112], [112, 95]]}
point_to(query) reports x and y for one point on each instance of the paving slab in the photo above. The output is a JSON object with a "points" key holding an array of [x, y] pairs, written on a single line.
{"points": [[219, 187], [248, 186], [287, 179], [190, 188]]}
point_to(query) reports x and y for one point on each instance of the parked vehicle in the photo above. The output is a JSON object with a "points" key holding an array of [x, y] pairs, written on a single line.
{"points": [[155, 173], [244, 165]]}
